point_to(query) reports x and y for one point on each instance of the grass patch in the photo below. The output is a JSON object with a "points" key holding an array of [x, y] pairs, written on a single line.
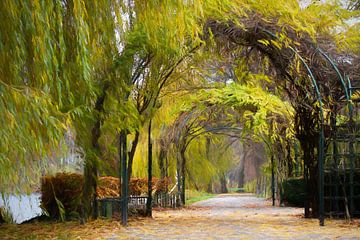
{"points": [[193, 196]]}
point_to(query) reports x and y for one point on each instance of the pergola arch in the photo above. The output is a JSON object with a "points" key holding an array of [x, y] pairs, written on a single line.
{"points": [[233, 33], [251, 37], [281, 59]]}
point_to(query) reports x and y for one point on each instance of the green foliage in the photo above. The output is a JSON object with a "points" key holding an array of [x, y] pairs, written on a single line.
{"points": [[58, 58], [193, 196], [207, 160], [250, 187], [294, 191], [6, 216], [255, 105], [43, 57]]}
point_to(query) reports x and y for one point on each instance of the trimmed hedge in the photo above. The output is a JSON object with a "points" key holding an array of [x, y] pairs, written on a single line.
{"points": [[294, 192]]}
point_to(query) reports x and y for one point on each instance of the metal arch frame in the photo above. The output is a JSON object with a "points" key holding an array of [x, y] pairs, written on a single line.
{"points": [[321, 134], [347, 91], [321, 153], [321, 144], [347, 94], [181, 182]]}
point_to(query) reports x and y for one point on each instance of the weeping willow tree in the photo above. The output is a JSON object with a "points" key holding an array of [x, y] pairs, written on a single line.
{"points": [[44, 58], [100, 67], [74, 64], [151, 55]]}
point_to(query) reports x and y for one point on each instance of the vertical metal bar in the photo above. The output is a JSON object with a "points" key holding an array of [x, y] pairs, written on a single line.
{"points": [[149, 199], [183, 182], [351, 158], [124, 185], [321, 135], [272, 180], [351, 147], [297, 165], [321, 177], [272, 165], [120, 176], [321, 141], [306, 182], [335, 165]]}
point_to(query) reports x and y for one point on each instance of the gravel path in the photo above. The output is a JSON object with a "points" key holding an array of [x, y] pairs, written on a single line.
{"points": [[230, 216], [236, 216]]}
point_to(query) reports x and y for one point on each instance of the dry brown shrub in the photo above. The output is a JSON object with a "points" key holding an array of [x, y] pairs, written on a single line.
{"points": [[67, 189]]}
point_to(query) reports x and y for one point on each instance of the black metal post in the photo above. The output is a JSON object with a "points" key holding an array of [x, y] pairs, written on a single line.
{"points": [[124, 182], [321, 176], [183, 180], [178, 173], [149, 199], [351, 158], [334, 165], [297, 164], [272, 179]]}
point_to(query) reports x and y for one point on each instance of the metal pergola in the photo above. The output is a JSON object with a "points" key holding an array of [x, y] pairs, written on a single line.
{"points": [[338, 188]]}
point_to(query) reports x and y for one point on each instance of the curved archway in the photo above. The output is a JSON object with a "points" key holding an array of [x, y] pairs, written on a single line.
{"points": [[283, 56]]}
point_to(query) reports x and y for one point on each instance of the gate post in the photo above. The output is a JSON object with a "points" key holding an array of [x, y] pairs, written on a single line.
{"points": [[123, 178], [149, 199]]}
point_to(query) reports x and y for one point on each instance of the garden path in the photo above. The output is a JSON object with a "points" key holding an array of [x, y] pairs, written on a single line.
{"points": [[228, 216], [237, 216]]}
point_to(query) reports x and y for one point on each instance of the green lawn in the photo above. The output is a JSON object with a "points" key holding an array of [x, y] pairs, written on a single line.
{"points": [[193, 196]]}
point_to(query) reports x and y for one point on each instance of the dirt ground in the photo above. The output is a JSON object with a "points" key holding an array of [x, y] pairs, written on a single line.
{"points": [[230, 216]]}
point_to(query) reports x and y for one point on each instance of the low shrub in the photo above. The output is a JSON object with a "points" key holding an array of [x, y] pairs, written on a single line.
{"points": [[250, 187], [108, 187], [61, 194], [1, 216], [294, 192]]}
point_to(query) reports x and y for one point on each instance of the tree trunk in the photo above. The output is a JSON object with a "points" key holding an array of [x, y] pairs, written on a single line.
{"points": [[162, 161], [241, 167], [178, 173], [192, 180], [272, 179], [306, 123], [132, 154], [289, 160], [223, 188], [183, 175], [91, 162], [209, 188]]}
